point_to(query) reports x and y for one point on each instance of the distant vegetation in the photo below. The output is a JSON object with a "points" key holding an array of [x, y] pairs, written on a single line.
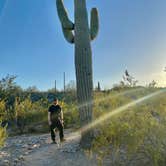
{"points": [[26, 110]]}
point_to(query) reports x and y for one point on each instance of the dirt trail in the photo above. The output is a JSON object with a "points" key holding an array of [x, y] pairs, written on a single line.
{"points": [[37, 150]]}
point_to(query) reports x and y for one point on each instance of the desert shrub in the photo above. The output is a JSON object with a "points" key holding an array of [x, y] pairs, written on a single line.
{"points": [[3, 135], [30, 116], [3, 113], [135, 137], [71, 114], [28, 113]]}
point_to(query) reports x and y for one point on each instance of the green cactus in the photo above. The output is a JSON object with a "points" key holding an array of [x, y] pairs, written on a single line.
{"points": [[80, 34]]}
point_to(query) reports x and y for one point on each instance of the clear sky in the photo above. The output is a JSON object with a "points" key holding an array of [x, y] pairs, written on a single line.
{"points": [[132, 36]]}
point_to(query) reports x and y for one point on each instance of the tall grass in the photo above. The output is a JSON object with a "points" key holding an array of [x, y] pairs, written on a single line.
{"points": [[135, 137]]}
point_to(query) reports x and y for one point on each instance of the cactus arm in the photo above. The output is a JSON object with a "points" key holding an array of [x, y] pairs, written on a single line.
{"points": [[63, 16], [68, 34], [94, 23]]}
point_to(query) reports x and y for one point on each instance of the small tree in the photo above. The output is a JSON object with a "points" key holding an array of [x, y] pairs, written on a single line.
{"points": [[152, 84], [32, 89], [22, 110], [8, 91], [98, 86], [129, 80], [3, 112], [71, 86]]}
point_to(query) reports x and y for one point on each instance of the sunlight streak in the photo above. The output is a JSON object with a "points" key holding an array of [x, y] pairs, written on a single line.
{"points": [[111, 96], [120, 110]]}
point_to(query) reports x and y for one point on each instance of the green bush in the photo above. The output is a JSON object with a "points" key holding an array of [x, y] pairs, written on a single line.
{"points": [[135, 137], [3, 113], [29, 114], [71, 114]]}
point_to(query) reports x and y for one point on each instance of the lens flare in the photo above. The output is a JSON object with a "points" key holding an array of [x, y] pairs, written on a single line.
{"points": [[120, 110], [111, 96], [77, 134]]}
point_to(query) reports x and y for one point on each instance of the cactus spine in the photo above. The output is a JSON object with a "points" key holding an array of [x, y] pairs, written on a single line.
{"points": [[80, 34]]}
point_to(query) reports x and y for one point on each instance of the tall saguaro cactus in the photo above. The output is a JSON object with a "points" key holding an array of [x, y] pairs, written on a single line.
{"points": [[80, 34]]}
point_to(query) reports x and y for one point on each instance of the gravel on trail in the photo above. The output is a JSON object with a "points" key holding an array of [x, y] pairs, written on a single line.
{"points": [[37, 150]]}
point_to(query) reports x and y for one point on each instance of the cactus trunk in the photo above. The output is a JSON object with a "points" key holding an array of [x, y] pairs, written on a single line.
{"points": [[83, 66], [81, 37], [83, 61]]}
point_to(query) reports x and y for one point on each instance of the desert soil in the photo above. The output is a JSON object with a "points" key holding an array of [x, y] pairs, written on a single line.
{"points": [[37, 150]]}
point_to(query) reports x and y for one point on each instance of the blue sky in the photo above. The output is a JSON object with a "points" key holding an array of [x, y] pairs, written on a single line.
{"points": [[132, 36]]}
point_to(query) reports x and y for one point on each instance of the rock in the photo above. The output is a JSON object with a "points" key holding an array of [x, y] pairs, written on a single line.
{"points": [[36, 146], [26, 153], [6, 161], [4, 154], [5, 145], [20, 141], [21, 157], [25, 146], [34, 141]]}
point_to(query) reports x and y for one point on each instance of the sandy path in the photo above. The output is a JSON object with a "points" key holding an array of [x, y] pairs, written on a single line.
{"points": [[65, 154], [37, 150]]}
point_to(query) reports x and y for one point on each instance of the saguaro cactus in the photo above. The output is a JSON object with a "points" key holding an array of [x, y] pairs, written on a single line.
{"points": [[80, 34]]}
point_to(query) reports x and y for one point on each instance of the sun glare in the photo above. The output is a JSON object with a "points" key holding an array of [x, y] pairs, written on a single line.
{"points": [[120, 110]]}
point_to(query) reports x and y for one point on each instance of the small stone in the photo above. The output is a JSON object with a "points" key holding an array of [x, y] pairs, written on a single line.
{"points": [[25, 146], [6, 161], [26, 153], [34, 141], [4, 154], [21, 157], [20, 141], [36, 146]]}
